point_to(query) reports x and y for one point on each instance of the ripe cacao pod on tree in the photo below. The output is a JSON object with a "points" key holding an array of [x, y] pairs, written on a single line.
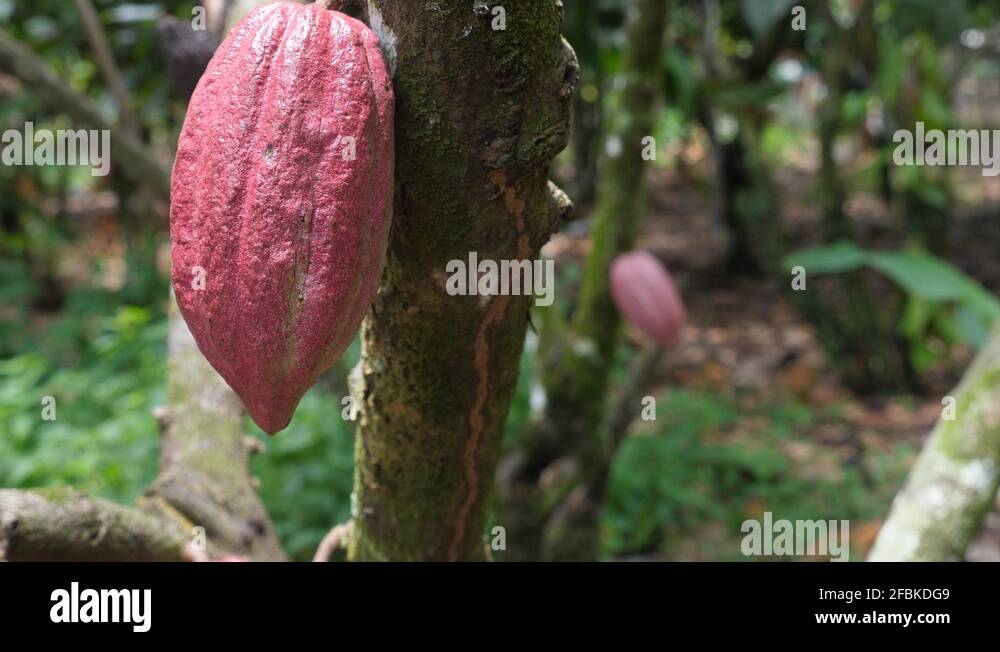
{"points": [[646, 296], [281, 199]]}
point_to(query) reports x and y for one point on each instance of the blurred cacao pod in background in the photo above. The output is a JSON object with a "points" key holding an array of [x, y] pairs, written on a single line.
{"points": [[646, 296], [281, 200]]}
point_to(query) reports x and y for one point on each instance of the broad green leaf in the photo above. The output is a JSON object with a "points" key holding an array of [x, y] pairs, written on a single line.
{"points": [[921, 274], [838, 257], [930, 284]]}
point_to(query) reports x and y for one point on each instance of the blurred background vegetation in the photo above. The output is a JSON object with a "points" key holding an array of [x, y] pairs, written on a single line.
{"points": [[773, 150]]}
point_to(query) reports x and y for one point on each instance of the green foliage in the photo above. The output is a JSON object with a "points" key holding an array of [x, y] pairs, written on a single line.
{"points": [[307, 472], [684, 487], [941, 300], [104, 436]]}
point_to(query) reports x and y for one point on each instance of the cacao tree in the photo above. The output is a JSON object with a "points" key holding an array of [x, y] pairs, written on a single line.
{"points": [[203, 503], [559, 520], [487, 113], [478, 120]]}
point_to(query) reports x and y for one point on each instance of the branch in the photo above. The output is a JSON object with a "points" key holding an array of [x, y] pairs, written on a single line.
{"points": [[955, 480], [623, 413], [132, 157], [204, 477], [106, 62], [335, 539], [68, 525]]}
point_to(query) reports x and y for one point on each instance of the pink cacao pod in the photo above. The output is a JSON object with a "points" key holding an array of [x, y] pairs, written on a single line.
{"points": [[281, 199], [646, 296]]}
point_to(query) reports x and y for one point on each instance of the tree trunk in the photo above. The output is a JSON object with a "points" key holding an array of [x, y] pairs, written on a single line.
{"points": [[558, 519], [954, 482], [480, 113], [747, 205], [582, 29]]}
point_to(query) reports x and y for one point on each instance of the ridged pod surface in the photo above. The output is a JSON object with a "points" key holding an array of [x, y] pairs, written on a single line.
{"points": [[646, 296], [281, 200]]}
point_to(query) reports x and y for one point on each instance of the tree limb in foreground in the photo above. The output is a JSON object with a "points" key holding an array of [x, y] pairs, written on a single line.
{"points": [[955, 479], [67, 525]]}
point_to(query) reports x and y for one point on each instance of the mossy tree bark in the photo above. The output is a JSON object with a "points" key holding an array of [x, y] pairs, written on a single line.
{"points": [[955, 479], [556, 517], [480, 113]]}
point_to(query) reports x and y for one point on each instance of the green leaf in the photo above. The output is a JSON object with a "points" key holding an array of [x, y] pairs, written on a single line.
{"points": [[920, 274], [923, 275], [930, 284], [836, 258]]}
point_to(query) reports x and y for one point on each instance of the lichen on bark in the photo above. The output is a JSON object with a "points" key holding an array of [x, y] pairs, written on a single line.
{"points": [[955, 479]]}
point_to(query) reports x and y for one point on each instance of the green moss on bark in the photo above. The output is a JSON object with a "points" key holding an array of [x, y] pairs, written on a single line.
{"points": [[479, 115]]}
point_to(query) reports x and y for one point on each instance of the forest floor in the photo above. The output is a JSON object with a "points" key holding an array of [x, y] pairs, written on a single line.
{"points": [[744, 340]]}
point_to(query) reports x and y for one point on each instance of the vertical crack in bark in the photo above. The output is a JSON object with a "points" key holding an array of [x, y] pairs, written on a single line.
{"points": [[481, 361]]}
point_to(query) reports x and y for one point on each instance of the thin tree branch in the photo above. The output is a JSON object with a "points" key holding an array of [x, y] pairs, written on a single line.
{"points": [[132, 157], [335, 539], [624, 411], [106, 61]]}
